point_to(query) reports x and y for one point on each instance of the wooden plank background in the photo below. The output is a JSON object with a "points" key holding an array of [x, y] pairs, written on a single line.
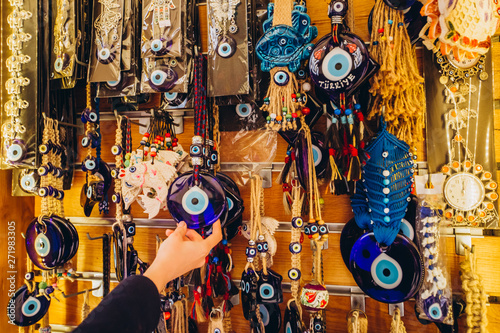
{"points": [[336, 209]]}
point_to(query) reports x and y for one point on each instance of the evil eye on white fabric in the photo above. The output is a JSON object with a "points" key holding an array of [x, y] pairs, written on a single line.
{"points": [[243, 110], [281, 78], [16, 152], [317, 155], [435, 312], [31, 307], [386, 272], [295, 247], [294, 274], [226, 47], [297, 222], [195, 201], [407, 229], [337, 64], [132, 169], [42, 245], [162, 78], [28, 182], [266, 291]]}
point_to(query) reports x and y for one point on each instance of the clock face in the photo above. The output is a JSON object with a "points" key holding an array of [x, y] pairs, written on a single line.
{"points": [[464, 64], [464, 191]]}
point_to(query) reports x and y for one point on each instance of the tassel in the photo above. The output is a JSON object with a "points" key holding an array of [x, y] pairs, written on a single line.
{"points": [[197, 309], [355, 167], [207, 304], [341, 186], [85, 306], [221, 284], [193, 327], [286, 169]]}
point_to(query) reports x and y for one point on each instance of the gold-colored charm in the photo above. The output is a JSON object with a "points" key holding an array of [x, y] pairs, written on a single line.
{"points": [[443, 79], [483, 76]]}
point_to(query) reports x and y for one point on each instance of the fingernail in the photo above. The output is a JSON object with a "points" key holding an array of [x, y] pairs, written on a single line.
{"points": [[182, 224]]}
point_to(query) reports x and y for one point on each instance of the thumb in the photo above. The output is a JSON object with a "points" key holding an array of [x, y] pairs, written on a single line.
{"points": [[181, 229]]}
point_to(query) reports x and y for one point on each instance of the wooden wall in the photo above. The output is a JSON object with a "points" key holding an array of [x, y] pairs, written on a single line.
{"points": [[336, 209]]}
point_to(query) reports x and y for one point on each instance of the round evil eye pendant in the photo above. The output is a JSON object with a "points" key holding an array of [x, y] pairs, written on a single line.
{"points": [[106, 55], [160, 47], [226, 47], [16, 152], [61, 63], [390, 275], [27, 308], [200, 203], [281, 78], [162, 78]]}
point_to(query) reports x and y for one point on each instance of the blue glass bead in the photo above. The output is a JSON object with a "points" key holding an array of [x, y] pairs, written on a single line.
{"points": [[348, 112], [386, 200], [386, 182], [337, 112], [387, 219], [357, 106], [390, 22], [375, 42]]}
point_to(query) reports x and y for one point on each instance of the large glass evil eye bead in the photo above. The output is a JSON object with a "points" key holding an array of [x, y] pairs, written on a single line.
{"points": [[31, 307], [294, 274], [297, 222], [195, 201], [337, 64], [160, 47], [281, 78], [266, 291], [386, 272], [226, 47], [243, 110], [162, 78], [42, 245], [295, 247], [27, 307], [16, 152]]}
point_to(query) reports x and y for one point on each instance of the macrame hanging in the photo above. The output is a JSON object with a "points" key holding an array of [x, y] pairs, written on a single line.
{"points": [[475, 295], [398, 85], [285, 43], [357, 322], [397, 325]]}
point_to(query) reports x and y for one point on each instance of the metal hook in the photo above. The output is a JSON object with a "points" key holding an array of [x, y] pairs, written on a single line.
{"points": [[62, 123], [95, 238], [79, 292]]}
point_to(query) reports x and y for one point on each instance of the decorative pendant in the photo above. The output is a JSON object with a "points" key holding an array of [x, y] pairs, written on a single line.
{"points": [[248, 286], [292, 320], [340, 62], [29, 307], [314, 297]]}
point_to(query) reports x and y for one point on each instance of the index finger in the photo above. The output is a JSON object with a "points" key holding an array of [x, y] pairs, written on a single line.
{"points": [[216, 235]]}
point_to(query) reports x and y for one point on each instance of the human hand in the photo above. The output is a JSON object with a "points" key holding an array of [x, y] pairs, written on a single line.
{"points": [[182, 251]]}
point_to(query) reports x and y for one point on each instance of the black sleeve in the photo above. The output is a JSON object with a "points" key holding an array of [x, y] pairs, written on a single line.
{"points": [[133, 306]]}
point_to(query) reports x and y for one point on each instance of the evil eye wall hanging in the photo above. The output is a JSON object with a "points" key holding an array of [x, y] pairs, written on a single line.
{"points": [[248, 286], [390, 275], [270, 315], [161, 78], [340, 62], [292, 321], [320, 156], [234, 202], [269, 287], [26, 308], [222, 16], [198, 202]]}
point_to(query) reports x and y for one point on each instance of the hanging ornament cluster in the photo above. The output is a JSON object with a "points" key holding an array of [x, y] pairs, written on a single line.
{"points": [[285, 43], [398, 86], [461, 30], [152, 168], [98, 173], [339, 65], [386, 265]]}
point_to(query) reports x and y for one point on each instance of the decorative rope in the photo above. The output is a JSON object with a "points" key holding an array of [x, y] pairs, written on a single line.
{"points": [[216, 133], [475, 296], [180, 316], [282, 12], [118, 164], [357, 323], [397, 325], [295, 237], [85, 306], [397, 85]]}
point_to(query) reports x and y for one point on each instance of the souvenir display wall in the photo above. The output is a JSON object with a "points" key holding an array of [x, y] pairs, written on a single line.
{"points": [[344, 146]]}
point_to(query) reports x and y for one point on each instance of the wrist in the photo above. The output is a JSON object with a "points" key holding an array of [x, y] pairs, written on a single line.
{"points": [[160, 277]]}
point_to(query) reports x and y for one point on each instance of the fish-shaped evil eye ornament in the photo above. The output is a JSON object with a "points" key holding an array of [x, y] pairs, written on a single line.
{"points": [[340, 62], [271, 317], [292, 321], [269, 287], [198, 203], [161, 46], [25, 308], [226, 47], [283, 45], [162, 78], [248, 286], [390, 275], [436, 308]]}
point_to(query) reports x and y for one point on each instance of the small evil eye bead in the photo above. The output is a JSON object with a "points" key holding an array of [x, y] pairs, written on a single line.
{"points": [[60, 173], [50, 190], [314, 227], [307, 230], [43, 170], [262, 247], [385, 154], [295, 247], [43, 192], [115, 172], [116, 150], [297, 222], [116, 198], [90, 164], [60, 195], [251, 252], [55, 193], [44, 148], [323, 230], [281, 78], [29, 276], [196, 150], [86, 141], [49, 290], [294, 274]]}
